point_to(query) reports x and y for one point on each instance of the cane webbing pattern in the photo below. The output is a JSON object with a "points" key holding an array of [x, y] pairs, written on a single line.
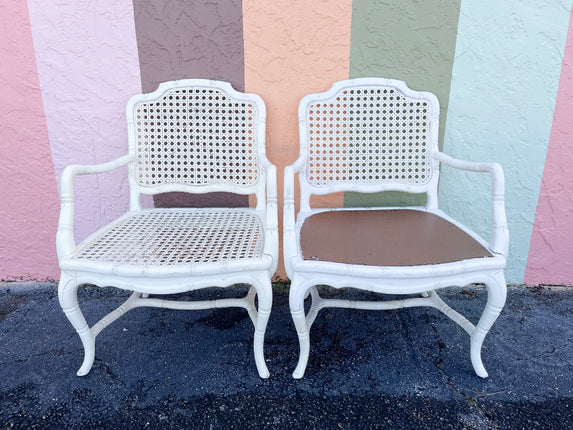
{"points": [[196, 136], [371, 135], [179, 237]]}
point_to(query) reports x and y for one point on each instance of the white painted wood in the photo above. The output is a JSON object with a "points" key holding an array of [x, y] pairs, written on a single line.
{"points": [[344, 146], [195, 136]]}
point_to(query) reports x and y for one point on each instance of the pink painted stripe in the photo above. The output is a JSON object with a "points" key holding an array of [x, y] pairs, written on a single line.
{"points": [[29, 204], [88, 68], [551, 249]]}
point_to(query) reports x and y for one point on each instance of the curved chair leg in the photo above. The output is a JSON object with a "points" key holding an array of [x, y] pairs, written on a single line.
{"points": [[314, 305], [297, 294], [252, 309], [265, 294], [496, 295], [68, 297]]}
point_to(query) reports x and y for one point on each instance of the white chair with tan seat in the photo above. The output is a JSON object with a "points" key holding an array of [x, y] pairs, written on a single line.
{"points": [[372, 135], [193, 136]]}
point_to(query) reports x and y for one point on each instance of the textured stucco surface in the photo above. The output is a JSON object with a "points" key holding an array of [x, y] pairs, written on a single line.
{"points": [[291, 49], [191, 39], [551, 251], [88, 68], [505, 79], [62, 101], [29, 203], [410, 41]]}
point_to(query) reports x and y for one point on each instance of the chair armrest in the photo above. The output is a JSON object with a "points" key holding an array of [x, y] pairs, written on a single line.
{"points": [[65, 242], [499, 242]]}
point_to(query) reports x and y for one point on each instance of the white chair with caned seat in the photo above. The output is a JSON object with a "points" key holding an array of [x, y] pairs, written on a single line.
{"points": [[194, 136], [371, 135]]}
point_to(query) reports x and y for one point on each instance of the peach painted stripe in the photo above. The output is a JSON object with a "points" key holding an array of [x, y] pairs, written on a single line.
{"points": [[291, 49], [551, 249], [29, 196], [88, 67]]}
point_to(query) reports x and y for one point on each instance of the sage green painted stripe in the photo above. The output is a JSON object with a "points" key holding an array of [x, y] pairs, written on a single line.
{"points": [[413, 41]]}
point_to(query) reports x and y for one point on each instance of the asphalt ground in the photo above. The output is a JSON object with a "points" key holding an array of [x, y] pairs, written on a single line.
{"points": [[160, 368]]}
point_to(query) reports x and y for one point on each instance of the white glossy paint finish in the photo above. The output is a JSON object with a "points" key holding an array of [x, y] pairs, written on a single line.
{"points": [[374, 113], [155, 252]]}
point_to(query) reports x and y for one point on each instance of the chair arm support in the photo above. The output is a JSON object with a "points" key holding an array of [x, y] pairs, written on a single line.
{"points": [[272, 204], [499, 241], [289, 220], [65, 242], [272, 221]]}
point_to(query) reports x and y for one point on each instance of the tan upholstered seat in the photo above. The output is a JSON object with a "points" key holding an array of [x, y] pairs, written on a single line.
{"points": [[396, 237]]}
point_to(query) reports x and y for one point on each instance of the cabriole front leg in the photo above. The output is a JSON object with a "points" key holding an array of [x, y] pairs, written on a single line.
{"points": [[296, 302], [265, 297], [252, 309], [68, 297], [496, 295]]}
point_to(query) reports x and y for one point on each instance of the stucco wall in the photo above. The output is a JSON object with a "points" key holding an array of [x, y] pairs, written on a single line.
{"points": [[28, 193], [504, 86], [501, 71], [292, 49], [88, 68], [410, 41], [551, 250], [191, 39]]}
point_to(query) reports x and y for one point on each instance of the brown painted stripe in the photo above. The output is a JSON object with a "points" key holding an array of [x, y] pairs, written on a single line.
{"points": [[191, 39]]}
